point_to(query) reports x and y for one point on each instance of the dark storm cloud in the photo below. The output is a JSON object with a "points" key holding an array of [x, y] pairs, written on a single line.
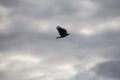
{"points": [[109, 69]]}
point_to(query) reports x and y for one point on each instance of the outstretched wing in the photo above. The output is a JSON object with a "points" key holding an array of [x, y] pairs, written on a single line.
{"points": [[61, 31]]}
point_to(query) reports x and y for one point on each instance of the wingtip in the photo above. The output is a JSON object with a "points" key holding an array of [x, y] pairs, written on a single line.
{"points": [[57, 37]]}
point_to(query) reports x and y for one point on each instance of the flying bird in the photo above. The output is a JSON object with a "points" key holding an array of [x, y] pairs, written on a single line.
{"points": [[63, 32]]}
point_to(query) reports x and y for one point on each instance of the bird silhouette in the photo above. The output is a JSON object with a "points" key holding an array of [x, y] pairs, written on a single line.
{"points": [[63, 32]]}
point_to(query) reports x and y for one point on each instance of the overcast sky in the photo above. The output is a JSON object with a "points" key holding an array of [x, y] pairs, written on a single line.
{"points": [[29, 49]]}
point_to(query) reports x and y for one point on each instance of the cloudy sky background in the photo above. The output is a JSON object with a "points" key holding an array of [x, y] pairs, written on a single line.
{"points": [[29, 49]]}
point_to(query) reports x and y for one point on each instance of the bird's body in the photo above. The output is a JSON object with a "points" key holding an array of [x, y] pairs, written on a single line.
{"points": [[63, 32]]}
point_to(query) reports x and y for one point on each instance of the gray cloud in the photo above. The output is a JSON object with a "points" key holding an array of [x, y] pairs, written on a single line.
{"points": [[107, 9], [70, 50], [45, 9], [10, 3], [109, 69], [29, 49]]}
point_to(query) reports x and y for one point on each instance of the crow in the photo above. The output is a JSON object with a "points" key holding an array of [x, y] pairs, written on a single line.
{"points": [[63, 32]]}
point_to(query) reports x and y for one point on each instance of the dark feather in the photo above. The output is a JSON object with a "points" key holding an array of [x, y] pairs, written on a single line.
{"points": [[62, 32]]}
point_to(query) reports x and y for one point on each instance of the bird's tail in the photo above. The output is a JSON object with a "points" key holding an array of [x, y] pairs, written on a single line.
{"points": [[57, 37]]}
